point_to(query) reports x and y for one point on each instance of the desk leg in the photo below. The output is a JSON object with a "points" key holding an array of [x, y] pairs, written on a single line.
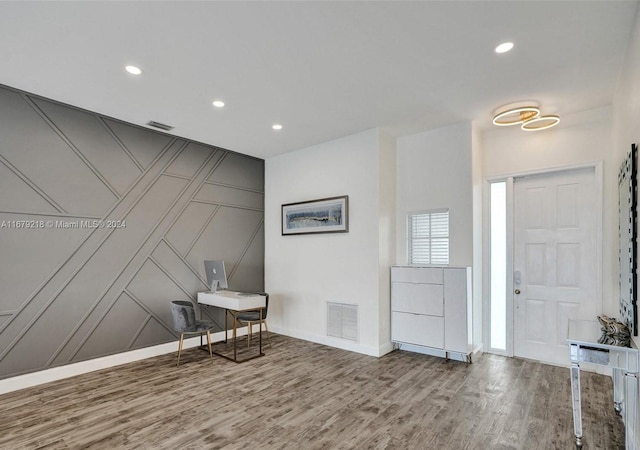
{"points": [[618, 386], [630, 409], [577, 406], [201, 316], [235, 348], [226, 329], [234, 317]]}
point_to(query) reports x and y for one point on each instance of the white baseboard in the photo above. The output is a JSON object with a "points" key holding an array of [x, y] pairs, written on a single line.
{"points": [[386, 348], [335, 342], [69, 370]]}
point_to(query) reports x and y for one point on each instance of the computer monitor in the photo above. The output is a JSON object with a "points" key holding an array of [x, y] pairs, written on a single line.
{"points": [[215, 271]]}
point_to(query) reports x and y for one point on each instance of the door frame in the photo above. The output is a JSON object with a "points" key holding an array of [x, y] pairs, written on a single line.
{"points": [[486, 290]]}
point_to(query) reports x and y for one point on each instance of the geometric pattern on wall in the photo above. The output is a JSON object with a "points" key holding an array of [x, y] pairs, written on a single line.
{"points": [[74, 291]]}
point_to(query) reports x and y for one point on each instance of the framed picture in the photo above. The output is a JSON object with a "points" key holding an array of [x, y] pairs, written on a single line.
{"points": [[326, 215], [627, 229]]}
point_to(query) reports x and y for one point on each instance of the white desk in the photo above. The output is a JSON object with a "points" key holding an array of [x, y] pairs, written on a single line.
{"points": [[233, 303], [584, 347]]}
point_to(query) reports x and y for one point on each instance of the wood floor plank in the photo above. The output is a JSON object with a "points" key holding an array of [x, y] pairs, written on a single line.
{"points": [[305, 395]]}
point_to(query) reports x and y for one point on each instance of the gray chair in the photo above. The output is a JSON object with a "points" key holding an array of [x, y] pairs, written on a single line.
{"points": [[184, 322], [251, 317]]}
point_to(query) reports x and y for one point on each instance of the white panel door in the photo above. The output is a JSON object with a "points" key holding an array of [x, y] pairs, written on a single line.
{"points": [[555, 266]]}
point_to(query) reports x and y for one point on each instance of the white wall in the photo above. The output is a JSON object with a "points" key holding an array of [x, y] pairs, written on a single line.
{"points": [[386, 232], [478, 249], [626, 104], [303, 272], [434, 171], [578, 139], [441, 169]]}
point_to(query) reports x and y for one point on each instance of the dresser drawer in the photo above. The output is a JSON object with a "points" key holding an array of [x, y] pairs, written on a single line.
{"points": [[417, 329], [431, 275], [418, 298]]}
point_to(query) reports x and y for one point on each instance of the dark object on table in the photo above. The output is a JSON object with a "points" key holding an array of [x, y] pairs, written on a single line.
{"points": [[614, 332]]}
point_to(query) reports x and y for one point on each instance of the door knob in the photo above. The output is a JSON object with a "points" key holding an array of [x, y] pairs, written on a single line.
{"points": [[517, 291]]}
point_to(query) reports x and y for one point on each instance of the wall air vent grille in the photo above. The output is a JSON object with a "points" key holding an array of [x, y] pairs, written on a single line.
{"points": [[342, 321], [159, 125]]}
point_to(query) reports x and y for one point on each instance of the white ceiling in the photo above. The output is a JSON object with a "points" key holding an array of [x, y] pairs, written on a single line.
{"points": [[322, 69]]}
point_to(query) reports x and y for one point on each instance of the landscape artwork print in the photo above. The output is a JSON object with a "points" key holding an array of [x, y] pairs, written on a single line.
{"points": [[327, 215]]}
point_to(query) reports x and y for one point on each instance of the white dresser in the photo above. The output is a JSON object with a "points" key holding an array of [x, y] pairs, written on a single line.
{"points": [[431, 310]]}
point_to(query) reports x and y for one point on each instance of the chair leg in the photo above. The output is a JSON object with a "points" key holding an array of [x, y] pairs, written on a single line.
{"points": [[180, 348], [209, 344]]}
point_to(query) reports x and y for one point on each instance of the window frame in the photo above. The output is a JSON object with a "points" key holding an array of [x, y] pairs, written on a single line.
{"points": [[410, 236]]}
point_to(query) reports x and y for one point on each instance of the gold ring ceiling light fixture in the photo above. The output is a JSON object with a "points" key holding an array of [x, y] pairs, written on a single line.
{"points": [[526, 115]]}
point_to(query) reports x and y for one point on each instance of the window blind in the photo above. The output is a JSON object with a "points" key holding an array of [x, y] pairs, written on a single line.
{"points": [[429, 237]]}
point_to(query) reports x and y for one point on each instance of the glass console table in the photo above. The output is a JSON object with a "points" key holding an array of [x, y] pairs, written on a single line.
{"points": [[584, 348]]}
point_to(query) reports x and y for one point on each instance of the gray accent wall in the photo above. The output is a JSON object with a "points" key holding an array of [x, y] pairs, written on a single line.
{"points": [[103, 223]]}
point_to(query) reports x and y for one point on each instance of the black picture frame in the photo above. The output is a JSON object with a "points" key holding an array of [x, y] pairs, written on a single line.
{"points": [[325, 215]]}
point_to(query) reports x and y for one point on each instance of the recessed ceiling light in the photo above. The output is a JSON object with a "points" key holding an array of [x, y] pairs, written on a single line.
{"points": [[218, 103], [133, 70], [504, 47], [277, 126]]}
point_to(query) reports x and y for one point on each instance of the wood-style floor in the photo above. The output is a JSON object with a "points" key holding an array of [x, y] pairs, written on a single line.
{"points": [[307, 396]]}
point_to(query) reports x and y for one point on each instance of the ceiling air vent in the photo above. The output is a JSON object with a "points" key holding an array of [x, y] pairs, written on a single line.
{"points": [[162, 126]]}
